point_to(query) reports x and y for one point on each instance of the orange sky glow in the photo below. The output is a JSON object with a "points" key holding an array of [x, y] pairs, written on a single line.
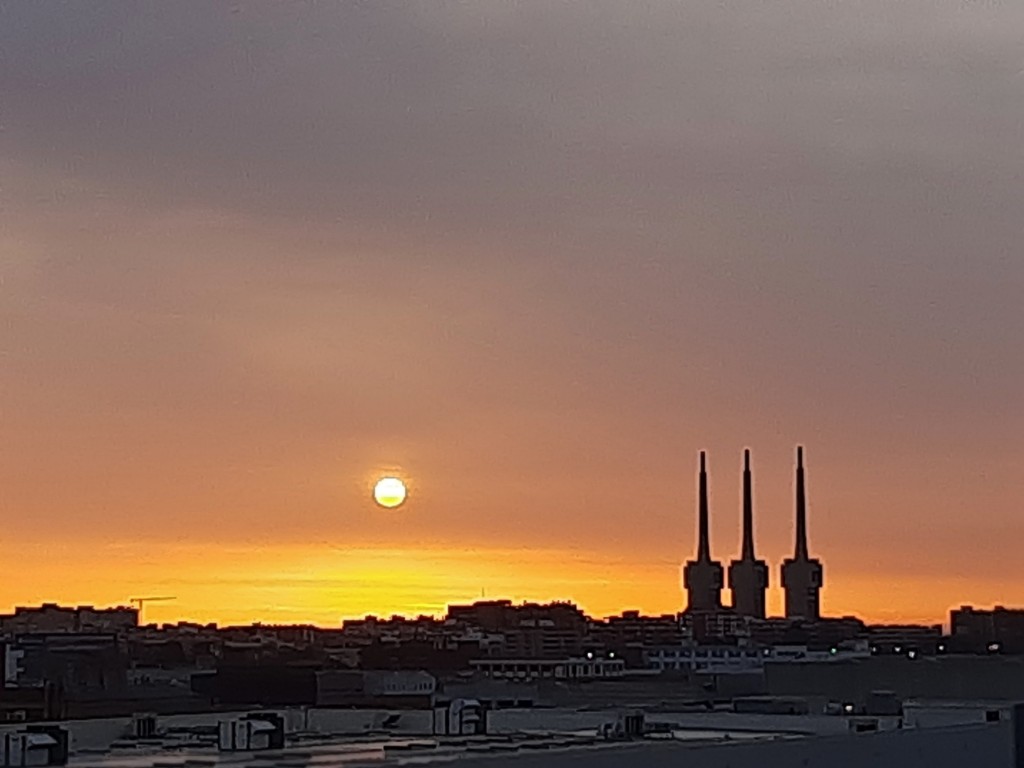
{"points": [[322, 586]]}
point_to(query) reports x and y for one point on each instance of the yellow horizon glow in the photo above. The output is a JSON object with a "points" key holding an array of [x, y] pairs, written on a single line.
{"points": [[322, 585]]}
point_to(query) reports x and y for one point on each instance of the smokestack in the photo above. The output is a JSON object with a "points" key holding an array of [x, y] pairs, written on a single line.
{"points": [[748, 510], [801, 507], [703, 546]]}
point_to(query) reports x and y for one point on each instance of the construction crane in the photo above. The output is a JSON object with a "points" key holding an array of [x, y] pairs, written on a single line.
{"points": [[141, 601]]}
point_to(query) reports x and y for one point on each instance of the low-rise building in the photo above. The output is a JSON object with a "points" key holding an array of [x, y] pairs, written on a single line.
{"points": [[387, 689], [589, 667], [911, 639], [50, 617], [975, 630], [725, 659]]}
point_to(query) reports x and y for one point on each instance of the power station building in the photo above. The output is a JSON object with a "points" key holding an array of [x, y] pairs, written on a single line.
{"points": [[748, 577]]}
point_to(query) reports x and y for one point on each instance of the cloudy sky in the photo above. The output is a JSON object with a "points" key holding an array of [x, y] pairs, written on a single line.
{"points": [[532, 256]]}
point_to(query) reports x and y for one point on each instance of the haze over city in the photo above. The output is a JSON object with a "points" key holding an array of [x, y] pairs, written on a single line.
{"points": [[529, 258]]}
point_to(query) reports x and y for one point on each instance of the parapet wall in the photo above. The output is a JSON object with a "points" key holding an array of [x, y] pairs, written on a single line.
{"points": [[982, 746], [989, 745], [944, 677]]}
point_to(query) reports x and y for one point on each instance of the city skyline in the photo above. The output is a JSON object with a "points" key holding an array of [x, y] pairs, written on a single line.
{"points": [[748, 591], [530, 259]]}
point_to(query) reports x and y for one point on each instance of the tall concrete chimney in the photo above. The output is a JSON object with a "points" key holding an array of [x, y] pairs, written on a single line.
{"points": [[802, 576], [703, 537], [748, 576], [801, 507], [703, 576], [748, 510]]}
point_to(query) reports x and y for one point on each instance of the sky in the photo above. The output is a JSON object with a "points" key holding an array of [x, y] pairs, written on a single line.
{"points": [[531, 257]]}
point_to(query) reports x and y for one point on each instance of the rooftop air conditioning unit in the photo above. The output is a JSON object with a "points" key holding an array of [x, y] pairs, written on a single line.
{"points": [[37, 745], [252, 732], [144, 726]]}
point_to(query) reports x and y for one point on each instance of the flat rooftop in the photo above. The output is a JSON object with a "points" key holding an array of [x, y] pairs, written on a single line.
{"points": [[376, 751]]}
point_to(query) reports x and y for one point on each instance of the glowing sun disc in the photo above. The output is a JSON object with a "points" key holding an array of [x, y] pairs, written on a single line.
{"points": [[389, 492]]}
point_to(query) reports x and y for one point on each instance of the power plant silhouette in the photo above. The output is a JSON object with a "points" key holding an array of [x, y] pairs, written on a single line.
{"points": [[802, 575]]}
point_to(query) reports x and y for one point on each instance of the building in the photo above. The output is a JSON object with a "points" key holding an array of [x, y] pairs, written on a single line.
{"points": [[386, 689], [396, 628], [263, 685], [589, 667], [945, 676], [531, 630], [910, 639], [802, 576], [630, 634], [715, 627], [502, 615], [77, 675], [975, 630], [691, 658], [433, 655], [487, 615], [822, 634], [50, 617]]}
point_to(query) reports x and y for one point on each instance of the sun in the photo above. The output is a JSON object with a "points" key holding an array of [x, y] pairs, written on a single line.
{"points": [[389, 492]]}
